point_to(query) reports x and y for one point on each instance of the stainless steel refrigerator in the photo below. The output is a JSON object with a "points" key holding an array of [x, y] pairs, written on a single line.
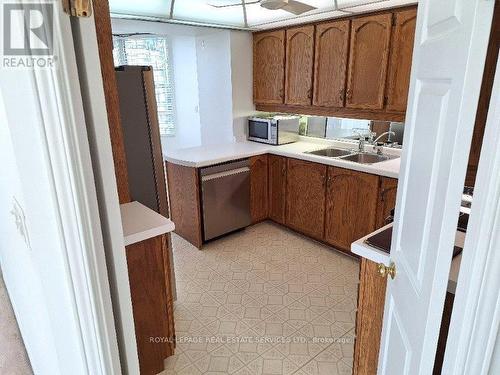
{"points": [[141, 138], [141, 134]]}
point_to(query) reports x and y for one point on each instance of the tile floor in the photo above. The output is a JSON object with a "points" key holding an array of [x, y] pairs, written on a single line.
{"points": [[263, 301]]}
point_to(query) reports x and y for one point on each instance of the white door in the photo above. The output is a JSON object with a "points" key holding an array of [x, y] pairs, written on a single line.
{"points": [[450, 47]]}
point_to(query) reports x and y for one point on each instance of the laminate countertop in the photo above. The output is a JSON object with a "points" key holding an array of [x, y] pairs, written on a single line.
{"points": [[203, 156], [361, 248]]}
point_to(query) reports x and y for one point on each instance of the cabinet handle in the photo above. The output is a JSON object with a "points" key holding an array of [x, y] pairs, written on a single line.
{"points": [[309, 94], [283, 171], [341, 94]]}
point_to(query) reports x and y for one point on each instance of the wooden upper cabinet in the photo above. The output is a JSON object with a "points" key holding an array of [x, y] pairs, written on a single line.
{"points": [[258, 188], [330, 63], [398, 79], [351, 204], [299, 65], [277, 188], [305, 197], [386, 199], [368, 58], [269, 67]]}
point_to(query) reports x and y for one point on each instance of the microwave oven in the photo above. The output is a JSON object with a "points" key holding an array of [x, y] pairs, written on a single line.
{"points": [[273, 130]]}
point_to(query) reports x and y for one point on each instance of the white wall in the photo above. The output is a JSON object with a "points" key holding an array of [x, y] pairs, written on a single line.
{"points": [[212, 71], [241, 81], [214, 86], [187, 116]]}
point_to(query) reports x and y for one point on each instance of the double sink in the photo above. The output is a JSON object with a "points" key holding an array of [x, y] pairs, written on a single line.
{"points": [[354, 156]]}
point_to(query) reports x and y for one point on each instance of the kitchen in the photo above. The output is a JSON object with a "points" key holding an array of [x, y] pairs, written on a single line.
{"points": [[321, 157], [276, 166]]}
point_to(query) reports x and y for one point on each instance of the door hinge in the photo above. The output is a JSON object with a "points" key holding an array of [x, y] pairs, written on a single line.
{"points": [[77, 8]]}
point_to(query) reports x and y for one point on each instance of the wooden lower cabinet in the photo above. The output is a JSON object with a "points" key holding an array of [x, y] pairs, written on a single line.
{"points": [[305, 197], [148, 265], [371, 299], [334, 205], [258, 188], [185, 206], [351, 206], [386, 200], [277, 188]]}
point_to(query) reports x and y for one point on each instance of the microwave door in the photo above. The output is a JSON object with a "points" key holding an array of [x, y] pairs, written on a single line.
{"points": [[258, 130]]}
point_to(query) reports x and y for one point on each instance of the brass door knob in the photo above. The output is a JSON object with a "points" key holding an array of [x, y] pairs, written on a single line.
{"points": [[384, 270]]}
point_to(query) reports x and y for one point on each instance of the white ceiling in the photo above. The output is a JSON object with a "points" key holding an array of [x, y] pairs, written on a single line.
{"points": [[202, 11]]}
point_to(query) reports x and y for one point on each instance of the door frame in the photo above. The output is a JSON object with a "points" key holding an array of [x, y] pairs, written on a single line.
{"points": [[67, 151], [476, 311]]}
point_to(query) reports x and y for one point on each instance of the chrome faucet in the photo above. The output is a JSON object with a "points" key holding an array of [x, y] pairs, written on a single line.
{"points": [[378, 148], [361, 143], [362, 139]]}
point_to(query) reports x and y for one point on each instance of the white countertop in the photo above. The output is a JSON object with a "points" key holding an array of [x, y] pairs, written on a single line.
{"points": [[141, 223], [378, 256], [203, 156]]}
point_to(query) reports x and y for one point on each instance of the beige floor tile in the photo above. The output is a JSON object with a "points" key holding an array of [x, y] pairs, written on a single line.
{"points": [[258, 301]]}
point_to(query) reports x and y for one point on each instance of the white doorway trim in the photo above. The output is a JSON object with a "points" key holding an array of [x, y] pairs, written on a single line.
{"points": [[67, 152], [476, 311]]}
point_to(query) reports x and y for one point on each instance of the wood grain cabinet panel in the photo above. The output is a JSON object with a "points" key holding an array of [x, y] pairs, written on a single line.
{"points": [[277, 188], [386, 199], [148, 264], [269, 67], [105, 47], [368, 59], [299, 65], [330, 63], [371, 298], [351, 204], [398, 79], [258, 188], [305, 192], [185, 207]]}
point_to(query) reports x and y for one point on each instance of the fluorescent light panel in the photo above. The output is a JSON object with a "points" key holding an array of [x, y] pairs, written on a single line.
{"points": [[257, 17]]}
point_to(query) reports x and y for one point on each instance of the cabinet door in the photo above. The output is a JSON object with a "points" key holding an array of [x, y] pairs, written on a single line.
{"points": [[371, 296], [386, 199], [330, 63], [351, 204], [277, 188], [398, 79], [370, 37], [185, 206], [258, 188], [299, 65], [305, 197], [148, 264], [268, 67]]}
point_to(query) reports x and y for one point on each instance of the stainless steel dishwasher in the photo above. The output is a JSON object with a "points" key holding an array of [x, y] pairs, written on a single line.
{"points": [[225, 190]]}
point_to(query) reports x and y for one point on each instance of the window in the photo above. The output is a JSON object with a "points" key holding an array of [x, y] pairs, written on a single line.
{"points": [[152, 51]]}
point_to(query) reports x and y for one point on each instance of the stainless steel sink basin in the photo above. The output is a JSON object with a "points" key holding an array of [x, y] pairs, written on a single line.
{"points": [[331, 152], [368, 158]]}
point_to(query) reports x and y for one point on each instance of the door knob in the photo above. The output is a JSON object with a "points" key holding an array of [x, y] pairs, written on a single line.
{"points": [[384, 270]]}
